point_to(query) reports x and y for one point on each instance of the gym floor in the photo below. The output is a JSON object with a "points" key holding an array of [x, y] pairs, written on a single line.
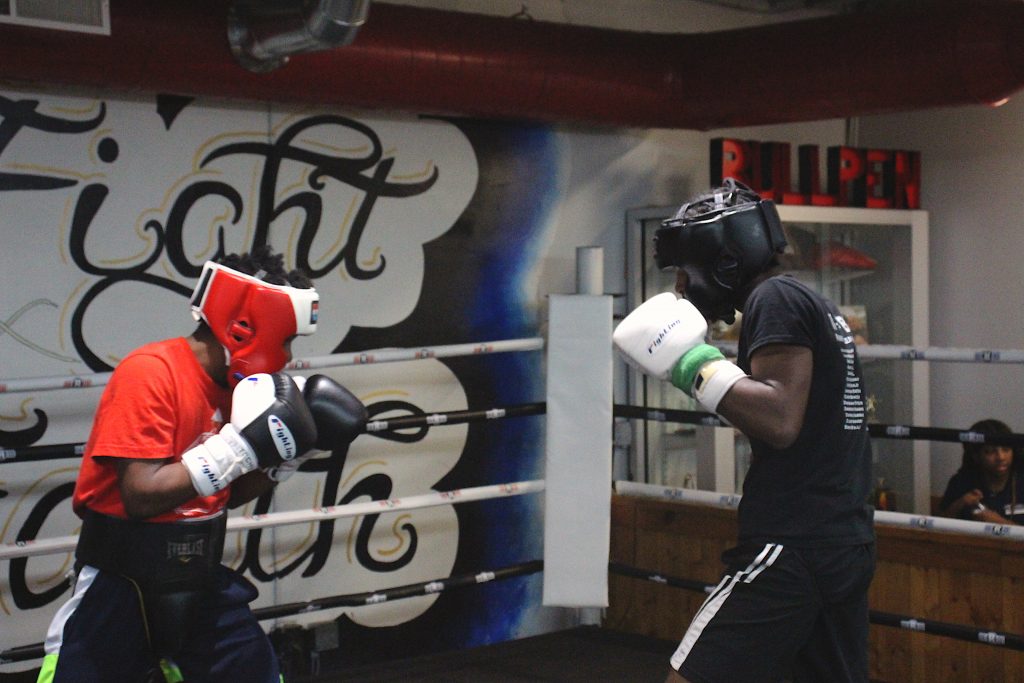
{"points": [[581, 654], [584, 654]]}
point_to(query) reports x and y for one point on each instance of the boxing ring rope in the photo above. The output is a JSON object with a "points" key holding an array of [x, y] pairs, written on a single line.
{"points": [[456, 417], [390, 355], [61, 544], [900, 519], [72, 450], [386, 355], [67, 543], [412, 590], [878, 431], [432, 587], [937, 354], [881, 431], [938, 628]]}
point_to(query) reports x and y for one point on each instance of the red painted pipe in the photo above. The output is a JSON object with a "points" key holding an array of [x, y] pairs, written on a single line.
{"points": [[434, 62]]}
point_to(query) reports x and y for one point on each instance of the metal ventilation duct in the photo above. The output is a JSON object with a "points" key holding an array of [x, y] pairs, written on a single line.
{"points": [[264, 33]]}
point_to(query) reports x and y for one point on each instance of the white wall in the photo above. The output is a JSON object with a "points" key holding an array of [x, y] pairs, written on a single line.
{"points": [[972, 185]]}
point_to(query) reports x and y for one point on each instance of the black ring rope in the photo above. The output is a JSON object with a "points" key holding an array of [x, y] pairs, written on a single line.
{"points": [[35, 651], [399, 592], [695, 417], [456, 417], [38, 453], [970, 634], [878, 431], [75, 450]]}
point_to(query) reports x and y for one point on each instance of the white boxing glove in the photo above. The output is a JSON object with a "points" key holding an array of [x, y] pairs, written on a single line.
{"points": [[664, 338], [658, 333]]}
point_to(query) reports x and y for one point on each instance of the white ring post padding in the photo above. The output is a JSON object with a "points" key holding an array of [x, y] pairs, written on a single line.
{"points": [[937, 354], [590, 270], [578, 452], [63, 544], [902, 519], [11, 386]]}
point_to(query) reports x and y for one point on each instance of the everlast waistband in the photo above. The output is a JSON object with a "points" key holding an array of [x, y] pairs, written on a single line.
{"points": [[152, 553]]}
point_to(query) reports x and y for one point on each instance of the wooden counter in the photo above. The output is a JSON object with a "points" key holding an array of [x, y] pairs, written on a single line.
{"points": [[947, 577]]}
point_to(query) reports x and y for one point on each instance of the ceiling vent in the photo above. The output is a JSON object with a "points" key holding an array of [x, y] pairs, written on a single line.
{"points": [[85, 16], [265, 33]]}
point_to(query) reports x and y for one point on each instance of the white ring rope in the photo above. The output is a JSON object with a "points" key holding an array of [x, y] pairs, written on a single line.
{"points": [[389, 355], [62, 544], [902, 519], [932, 353]]}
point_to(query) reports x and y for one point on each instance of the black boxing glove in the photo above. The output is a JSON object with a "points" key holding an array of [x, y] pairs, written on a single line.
{"points": [[339, 416], [270, 424]]}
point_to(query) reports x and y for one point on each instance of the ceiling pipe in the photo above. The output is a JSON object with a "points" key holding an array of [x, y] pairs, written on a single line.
{"points": [[917, 56], [264, 34]]}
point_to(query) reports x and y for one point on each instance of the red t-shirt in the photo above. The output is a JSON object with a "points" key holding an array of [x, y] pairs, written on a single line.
{"points": [[158, 404]]}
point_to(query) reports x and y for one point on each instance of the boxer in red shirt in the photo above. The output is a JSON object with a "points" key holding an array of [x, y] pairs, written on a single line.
{"points": [[186, 428]]}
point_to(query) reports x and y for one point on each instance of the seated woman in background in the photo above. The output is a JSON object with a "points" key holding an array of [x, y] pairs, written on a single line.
{"points": [[987, 487]]}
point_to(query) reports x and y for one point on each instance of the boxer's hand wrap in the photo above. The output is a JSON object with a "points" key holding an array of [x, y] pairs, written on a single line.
{"points": [[270, 424], [705, 374], [340, 417], [658, 333], [684, 374]]}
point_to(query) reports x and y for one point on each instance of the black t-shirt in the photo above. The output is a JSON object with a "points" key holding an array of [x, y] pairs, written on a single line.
{"points": [[1009, 502], [815, 492]]}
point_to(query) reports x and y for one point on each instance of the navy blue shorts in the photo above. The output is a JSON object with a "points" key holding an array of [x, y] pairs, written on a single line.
{"points": [[99, 635], [780, 612]]}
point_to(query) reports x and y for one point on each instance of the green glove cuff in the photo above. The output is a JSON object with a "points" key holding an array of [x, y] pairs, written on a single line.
{"points": [[685, 371]]}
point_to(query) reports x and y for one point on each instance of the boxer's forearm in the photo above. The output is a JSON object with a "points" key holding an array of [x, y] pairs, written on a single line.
{"points": [[153, 487]]}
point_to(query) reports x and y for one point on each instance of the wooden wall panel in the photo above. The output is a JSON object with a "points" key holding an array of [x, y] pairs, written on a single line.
{"points": [[931, 576]]}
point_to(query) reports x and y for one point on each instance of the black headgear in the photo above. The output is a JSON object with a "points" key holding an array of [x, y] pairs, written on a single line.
{"points": [[728, 237]]}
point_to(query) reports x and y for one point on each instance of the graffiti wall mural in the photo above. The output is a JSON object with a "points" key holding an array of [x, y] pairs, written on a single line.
{"points": [[416, 231]]}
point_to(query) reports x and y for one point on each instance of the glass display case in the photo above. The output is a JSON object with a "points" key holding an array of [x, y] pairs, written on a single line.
{"points": [[873, 263]]}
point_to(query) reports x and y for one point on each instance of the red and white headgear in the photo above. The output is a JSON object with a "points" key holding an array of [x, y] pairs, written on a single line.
{"points": [[252, 319]]}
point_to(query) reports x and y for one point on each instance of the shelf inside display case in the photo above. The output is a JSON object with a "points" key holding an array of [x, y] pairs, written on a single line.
{"points": [[873, 264], [831, 276]]}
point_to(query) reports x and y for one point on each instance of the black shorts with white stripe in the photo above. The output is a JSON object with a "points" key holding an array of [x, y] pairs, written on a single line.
{"points": [[783, 613]]}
